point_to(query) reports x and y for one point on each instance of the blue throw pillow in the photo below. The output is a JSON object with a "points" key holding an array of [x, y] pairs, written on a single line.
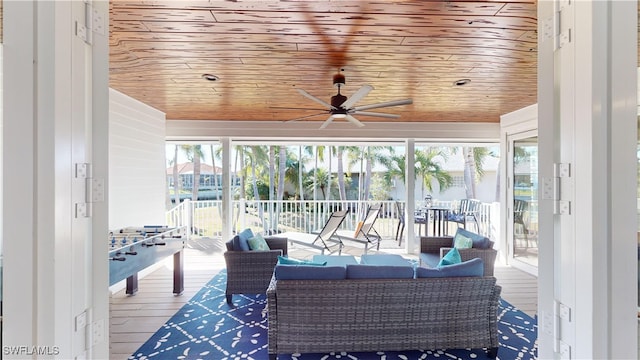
{"points": [[304, 272], [473, 267], [243, 239], [236, 243], [284, 260], [360, 271], [450, 258]]}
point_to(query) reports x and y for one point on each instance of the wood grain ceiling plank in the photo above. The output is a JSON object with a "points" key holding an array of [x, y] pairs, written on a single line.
{"points": [[160, 14], [372, 54], [362, 20], [234, 38], [499, 29], [402, 7]]}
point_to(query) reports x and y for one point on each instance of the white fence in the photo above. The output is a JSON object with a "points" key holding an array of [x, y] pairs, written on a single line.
{"points": [[268, 217]]}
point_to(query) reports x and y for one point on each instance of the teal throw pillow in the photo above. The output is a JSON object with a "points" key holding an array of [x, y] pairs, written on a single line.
{"points": [[284, 260], [258, 243], [462, 242], [450, 258]]}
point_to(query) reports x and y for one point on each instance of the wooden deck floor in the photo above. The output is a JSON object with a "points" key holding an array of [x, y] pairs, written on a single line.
{"points": [[133, 319]]}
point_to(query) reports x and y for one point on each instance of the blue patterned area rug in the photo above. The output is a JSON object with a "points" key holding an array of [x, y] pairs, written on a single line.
{"points": [[207, 328]]}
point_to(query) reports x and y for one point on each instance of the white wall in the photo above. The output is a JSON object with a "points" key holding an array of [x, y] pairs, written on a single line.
{"points": [[137, 188]]}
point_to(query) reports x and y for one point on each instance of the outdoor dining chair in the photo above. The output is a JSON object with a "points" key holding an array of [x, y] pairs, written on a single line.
{"points": [[467, 211], [400, 229], [324, 240], [364, 233]]}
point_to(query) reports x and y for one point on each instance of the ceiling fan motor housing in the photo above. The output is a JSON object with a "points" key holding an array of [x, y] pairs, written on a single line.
{"points": [[336, 101]]}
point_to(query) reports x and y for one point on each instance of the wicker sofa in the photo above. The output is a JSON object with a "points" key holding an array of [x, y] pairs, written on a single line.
{"points": [[310, 316], [433, 248], [249, 272]]}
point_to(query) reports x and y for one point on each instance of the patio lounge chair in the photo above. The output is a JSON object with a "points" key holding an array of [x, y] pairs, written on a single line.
{"points": [[323, 240], [365, 233]]}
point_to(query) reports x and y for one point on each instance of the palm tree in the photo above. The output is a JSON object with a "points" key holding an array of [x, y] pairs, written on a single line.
{"points": [[367, 158], [257, 155], [215, 172], [272, 176], [473, 170], [176, 176], [428, 168], [194, 154], [341, 188], [319, 155], [320, 177]]}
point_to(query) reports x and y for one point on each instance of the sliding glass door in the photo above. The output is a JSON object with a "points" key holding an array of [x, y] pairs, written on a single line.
{"points": [[523, 200]]}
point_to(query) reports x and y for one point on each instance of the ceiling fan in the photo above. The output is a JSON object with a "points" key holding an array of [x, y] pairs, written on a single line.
{"points": [[342, 107]]}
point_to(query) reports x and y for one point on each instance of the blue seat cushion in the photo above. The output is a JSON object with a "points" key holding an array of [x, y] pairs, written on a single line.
{"points": [[473, 267], [384, 259], [285, 260], [360, 271], [479, 241], [335, 260], [305, 272], [430, 259]]}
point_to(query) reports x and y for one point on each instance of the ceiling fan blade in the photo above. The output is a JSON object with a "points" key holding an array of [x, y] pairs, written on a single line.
{"points": [[295, 108], [357, 96], [327, 122], [368, 113], [384, 104], [304, 117], [319, 101], [354, 121]]}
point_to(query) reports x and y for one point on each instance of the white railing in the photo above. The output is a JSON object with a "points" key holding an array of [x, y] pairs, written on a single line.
{"points": [[204, 217]]}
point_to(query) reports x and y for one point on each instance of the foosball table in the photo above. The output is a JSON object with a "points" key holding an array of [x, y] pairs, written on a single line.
{"points": [[133, 249]]}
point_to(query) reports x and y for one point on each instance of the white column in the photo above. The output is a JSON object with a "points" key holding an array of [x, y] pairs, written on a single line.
{"points": [[227, 208], [412, 246]]}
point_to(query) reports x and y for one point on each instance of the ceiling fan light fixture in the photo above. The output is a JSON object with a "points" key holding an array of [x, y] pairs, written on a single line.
{"points": [[339, 116], [210, 77], [461, 82]]}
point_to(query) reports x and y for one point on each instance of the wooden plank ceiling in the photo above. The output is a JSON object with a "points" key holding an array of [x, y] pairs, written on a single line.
{"points": [[262, 51]]}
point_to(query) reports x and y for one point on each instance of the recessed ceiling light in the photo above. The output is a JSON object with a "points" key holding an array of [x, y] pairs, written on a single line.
{"points": [[210, 77], [461, 82]]}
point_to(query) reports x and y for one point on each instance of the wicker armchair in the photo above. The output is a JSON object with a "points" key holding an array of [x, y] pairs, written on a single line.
{"points": [[440, 245], [249, 272]]}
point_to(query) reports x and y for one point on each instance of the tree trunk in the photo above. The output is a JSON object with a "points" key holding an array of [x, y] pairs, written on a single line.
{"points": [[341, 187], [315, 176], [300, 169], [215, 172], [327, 193], [282, 168], [469, 172], [272, 180], [367, 178], [196, 174], [176, 177]]}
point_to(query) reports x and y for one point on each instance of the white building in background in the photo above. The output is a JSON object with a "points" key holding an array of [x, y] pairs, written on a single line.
{"points": [[486, 188]]}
